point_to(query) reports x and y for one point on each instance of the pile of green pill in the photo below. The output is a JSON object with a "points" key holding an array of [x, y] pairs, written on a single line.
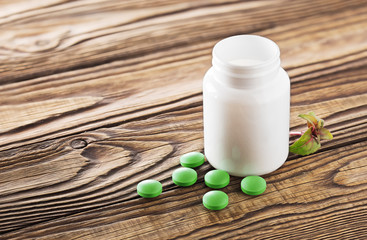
{"points": [[186, 176]]}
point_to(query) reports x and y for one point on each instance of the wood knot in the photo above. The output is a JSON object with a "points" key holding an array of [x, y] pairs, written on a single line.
{"points": [[78, 143], [42, 43]]}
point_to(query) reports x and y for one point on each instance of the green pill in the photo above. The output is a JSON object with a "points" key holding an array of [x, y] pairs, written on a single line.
{"points": [[216, 179], [253, 185], [215, 200], [184, 176], [192, 159], [149, 188]]}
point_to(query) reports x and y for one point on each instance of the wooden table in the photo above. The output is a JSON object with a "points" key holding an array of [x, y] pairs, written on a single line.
{"points": [[96, 96]]}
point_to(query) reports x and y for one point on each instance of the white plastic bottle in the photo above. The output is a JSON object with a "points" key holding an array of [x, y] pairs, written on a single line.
{"points": [[246, 107]]}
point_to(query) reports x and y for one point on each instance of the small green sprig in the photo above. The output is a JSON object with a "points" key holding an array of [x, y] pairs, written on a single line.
{"points": [[309, 142]]}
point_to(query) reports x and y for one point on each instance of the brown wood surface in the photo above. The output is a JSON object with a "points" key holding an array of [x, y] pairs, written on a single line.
{"points": [[96, 96]]}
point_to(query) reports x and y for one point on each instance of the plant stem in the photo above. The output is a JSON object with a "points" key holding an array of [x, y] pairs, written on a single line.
{"points": [[296, 133]]}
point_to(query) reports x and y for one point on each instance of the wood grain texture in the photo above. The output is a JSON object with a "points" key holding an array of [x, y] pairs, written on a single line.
{"points": [[96, 96]]}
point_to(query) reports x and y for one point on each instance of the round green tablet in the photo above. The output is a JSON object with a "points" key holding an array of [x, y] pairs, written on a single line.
{"points": [[216, 179], [253, 185], [215, 200], [184, 176], [192, 159], [149, 188]]}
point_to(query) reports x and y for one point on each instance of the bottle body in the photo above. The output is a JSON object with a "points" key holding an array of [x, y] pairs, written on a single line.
{"points": [[246, 118]]}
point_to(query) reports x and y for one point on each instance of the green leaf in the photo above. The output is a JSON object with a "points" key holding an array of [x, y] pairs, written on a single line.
{"points": [[311, 120], [325, 134], [313, 115], [320, 122], [306, 144], [309, 142]]}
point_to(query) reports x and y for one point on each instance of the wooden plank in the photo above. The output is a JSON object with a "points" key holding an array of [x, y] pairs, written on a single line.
{"points": [[96, 96], [61, 45], [318, 180], [107, 167], [129, 83]]}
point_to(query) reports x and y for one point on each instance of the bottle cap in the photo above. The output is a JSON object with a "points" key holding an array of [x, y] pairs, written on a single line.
{"points": [[149, 188], [216, 179], [215, 200], [253, 185], [184, 176], [192, 159]]}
